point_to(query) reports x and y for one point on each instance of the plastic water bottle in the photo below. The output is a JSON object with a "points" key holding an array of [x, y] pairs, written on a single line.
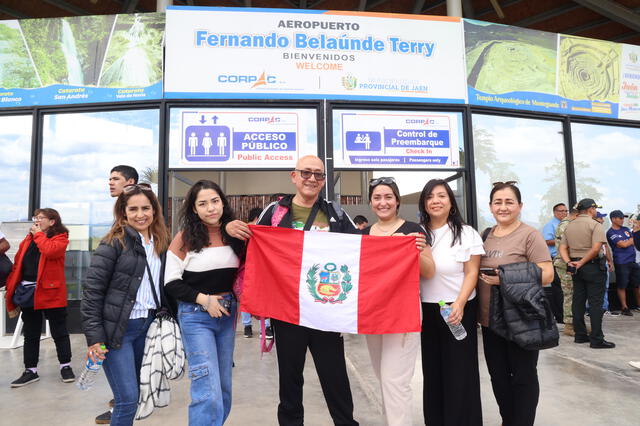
{"points": [[458, 330], [90, 373]]}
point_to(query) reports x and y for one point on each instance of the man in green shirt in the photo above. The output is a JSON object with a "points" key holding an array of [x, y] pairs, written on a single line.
{"points": [[307, 210]]}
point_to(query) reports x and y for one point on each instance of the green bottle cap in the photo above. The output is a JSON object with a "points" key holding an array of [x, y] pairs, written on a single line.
{"points": [[441, 303], [103, 347]]}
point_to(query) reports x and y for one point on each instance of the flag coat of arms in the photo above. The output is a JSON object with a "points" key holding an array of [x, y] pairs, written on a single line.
{"points": [[333, 282]]}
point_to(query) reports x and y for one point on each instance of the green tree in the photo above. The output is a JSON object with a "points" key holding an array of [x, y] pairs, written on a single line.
{"points": [[556, 175], [16, 70], [486, 161]]}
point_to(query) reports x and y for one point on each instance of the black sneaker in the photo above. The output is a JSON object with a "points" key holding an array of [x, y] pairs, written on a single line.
{"points": [[627, 312], [27, 377], [268, 333], [104, 418], [247, 331], [67, 374]]}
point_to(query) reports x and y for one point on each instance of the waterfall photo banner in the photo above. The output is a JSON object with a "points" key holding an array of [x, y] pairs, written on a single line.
{"points": [[81, 59]]}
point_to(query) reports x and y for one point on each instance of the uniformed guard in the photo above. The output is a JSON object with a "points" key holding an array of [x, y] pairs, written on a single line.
{"points": [[580, 247], [565, 279]]}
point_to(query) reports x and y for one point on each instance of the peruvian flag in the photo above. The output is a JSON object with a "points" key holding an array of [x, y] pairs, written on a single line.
{"points": [[334, 282]]}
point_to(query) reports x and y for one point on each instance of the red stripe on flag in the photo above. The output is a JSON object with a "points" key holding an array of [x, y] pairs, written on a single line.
{"points": [[272, 273], [389, 296]]}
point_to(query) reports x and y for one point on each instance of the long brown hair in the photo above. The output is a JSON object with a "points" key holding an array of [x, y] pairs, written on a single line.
{"points": [[57, 227], [158, 228]]}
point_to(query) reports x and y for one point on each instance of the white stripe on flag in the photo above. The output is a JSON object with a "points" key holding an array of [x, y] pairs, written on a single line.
{"points": [[320, 305]]}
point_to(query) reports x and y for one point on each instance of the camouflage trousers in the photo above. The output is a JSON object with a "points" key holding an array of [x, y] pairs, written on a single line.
{"points": [[566, 283]]}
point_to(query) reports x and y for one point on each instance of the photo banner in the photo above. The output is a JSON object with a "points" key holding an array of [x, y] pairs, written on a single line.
{"points": [[519, 68], [311, 54], [81, 59]]}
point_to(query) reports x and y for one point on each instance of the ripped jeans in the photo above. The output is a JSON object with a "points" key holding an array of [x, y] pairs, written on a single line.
{"points": [[208, 343]]}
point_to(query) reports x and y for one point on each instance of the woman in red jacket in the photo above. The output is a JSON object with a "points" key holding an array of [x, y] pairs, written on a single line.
{"points": [[37, 286]]}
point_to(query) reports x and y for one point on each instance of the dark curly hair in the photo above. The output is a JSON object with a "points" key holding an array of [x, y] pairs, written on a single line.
{"points": [[454, 220], [194, 232]]}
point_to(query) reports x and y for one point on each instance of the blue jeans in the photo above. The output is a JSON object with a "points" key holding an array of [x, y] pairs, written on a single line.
{"points": [[208, 343], [605, 305], [122, 368]]}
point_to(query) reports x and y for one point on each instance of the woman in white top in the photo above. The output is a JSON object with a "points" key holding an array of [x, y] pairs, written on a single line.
{"points": [[393, 356], [450, 366]]}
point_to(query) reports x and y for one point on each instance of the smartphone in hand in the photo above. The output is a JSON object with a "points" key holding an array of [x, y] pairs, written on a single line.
{"points": [[488, 271]]}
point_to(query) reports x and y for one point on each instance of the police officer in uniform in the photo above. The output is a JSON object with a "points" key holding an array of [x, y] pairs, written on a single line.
{"points": [[565, 278], [580, 247]]}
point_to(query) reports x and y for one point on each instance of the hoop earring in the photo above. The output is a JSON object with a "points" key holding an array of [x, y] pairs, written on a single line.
{"points": [[452, 211]]}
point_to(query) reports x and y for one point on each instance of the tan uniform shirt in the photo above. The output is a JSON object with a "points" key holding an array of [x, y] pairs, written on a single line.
{"points": [[581, 234]]}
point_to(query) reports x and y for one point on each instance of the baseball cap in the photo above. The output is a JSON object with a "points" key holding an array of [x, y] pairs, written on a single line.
{"points": [[587, 203], [598, 214], [616, 213]]}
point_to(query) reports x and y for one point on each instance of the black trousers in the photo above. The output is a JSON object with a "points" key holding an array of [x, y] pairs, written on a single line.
{"points": [[588, 284], [327, 350], [32, 329], [514, 378], [554, 295], [451, 392]]}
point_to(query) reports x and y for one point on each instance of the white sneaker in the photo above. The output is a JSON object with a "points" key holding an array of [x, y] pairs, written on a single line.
{"points": [[635, 364]]}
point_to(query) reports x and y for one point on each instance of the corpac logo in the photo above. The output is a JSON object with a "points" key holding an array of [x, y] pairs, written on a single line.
{"points": [[255, 80], [349, 82], [423, 121], [267, 120]]}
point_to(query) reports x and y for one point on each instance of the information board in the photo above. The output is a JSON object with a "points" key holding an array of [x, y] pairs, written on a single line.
{"points": [[388, 139], [241, 138]]}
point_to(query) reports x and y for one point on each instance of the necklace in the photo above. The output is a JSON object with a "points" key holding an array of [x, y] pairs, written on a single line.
{"points": [[390, 229]]}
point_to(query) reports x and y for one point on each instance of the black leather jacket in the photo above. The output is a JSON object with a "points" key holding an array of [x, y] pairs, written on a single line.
{"points": [[339, 220], [110, 289], [518, 309]]}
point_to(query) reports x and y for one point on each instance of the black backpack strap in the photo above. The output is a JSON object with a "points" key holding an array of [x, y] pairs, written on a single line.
{"points": [[486, 232]]}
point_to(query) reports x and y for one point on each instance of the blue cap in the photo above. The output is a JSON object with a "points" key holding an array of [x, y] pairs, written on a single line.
{"points": [[599, 215], [617, 213]]}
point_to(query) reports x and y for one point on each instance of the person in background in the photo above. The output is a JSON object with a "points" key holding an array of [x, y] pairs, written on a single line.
{"points": [[565, 279], [37, 286], [393, 356], [120, 177], [202, 264], [606, 253], [627, 270], [513, 370], [254, 214], [4, 244], [580, 248], [361, 222], [118, 303], [554, 293], [451, 379]]}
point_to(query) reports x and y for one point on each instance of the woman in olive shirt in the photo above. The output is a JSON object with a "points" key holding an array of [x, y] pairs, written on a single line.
{"points": [[513, 370]]}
